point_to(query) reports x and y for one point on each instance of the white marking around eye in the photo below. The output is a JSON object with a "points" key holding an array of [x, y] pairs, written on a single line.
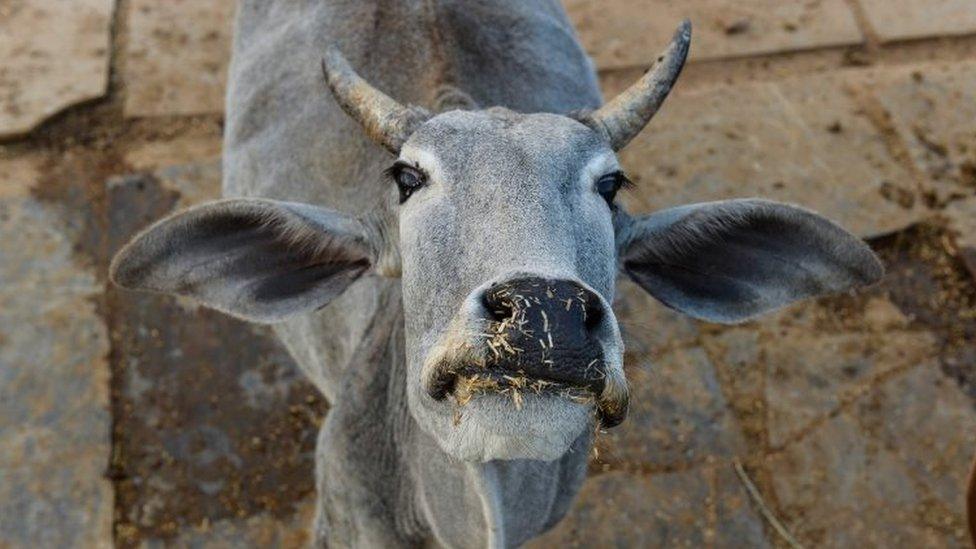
{"points": [[425, 160], [597, 166]]}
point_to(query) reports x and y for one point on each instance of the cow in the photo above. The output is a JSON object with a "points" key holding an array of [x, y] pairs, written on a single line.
{"points": [[442, 174]]}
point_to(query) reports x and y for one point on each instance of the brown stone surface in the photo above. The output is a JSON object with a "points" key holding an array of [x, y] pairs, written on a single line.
{"points": [[810, 375], [928, 281], [678, 416], [805, 141], [925, 419], [932, 107], [193, 147], [176, 56], [257, 531], [17, 176], [962, 223], [624, 33], [907, 19], [195, 183], [648, 327], [845, 490], [701, 507], [889, 472], [853, 414], [53, 379], [54, 56]]}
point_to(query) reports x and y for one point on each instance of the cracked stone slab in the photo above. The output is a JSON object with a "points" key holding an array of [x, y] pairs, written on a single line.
{"points": [[53, 379], [736, 354], [36, 259], [805, 141], [932, 107], [176, 56], [54, 56], [810, 374], [928, 422], [701, 507], [55, 429], [887, 472], [907, 19], [627, 33], [678, 416], [785, 372]]}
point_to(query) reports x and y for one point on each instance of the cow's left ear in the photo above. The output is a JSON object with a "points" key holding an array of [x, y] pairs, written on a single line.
{"points": [[732, 260], [260, 260]]}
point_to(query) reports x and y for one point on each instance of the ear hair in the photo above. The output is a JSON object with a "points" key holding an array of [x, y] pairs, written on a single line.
{"points": [[302, 236], [697, 231]]}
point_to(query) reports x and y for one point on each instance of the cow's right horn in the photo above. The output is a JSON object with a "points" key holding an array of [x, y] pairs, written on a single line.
{"points": [[385, 121]]}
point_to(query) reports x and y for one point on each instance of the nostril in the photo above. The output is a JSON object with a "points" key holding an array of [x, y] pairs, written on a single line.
{"points": [[496, 305], [594, 314]]}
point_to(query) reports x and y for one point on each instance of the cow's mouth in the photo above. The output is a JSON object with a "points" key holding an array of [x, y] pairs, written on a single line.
{"points": [[467, 382], [475, 380]]}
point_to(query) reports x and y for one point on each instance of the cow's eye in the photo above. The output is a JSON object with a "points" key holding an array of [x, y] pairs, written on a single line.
{"points": [[407, 178], [609, 184]]}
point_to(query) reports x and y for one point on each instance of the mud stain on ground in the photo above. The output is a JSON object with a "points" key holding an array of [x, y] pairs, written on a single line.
{"points": [[928, 280], [212, 420]]}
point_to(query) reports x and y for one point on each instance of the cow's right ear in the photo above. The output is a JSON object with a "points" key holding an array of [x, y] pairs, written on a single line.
{"points": [[260, 260], [732, 260]]}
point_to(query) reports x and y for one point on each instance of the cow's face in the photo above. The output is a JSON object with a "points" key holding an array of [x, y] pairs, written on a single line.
{"points": [[507, 243], [505, 232]]}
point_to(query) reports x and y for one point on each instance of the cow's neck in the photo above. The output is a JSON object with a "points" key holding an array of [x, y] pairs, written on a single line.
{"points": [[385, 482]]}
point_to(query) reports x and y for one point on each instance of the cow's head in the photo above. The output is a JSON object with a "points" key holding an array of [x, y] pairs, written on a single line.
{"points": [[507, 236]]}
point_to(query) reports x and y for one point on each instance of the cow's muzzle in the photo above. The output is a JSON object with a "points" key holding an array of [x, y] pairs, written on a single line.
{"points": [[536, 336]]}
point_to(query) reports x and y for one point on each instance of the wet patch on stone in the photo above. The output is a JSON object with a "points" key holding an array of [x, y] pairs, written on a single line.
{"points": [[73, 180], [213, 421]]}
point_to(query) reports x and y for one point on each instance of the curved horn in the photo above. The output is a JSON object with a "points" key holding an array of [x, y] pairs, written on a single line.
{"points": [[626, 115], [385, 121]]}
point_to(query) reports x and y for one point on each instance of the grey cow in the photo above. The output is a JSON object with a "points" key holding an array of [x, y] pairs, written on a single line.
{"points": [[455, 207]]}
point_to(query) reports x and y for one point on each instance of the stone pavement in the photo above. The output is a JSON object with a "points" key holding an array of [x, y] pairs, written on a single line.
{"points": [[138, 420]]}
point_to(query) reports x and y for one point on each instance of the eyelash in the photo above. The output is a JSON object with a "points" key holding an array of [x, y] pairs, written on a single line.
{"points": [[618, 181]]}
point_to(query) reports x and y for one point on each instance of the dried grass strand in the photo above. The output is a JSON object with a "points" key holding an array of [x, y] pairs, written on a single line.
{"points": [[763, 508]]}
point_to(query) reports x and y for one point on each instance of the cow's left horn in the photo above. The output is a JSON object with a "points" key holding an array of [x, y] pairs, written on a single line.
{"points": [[625, 116], [386, 121]]}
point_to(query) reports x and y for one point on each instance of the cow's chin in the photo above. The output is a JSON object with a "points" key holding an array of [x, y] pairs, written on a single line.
{"points": [[490, 427]]}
